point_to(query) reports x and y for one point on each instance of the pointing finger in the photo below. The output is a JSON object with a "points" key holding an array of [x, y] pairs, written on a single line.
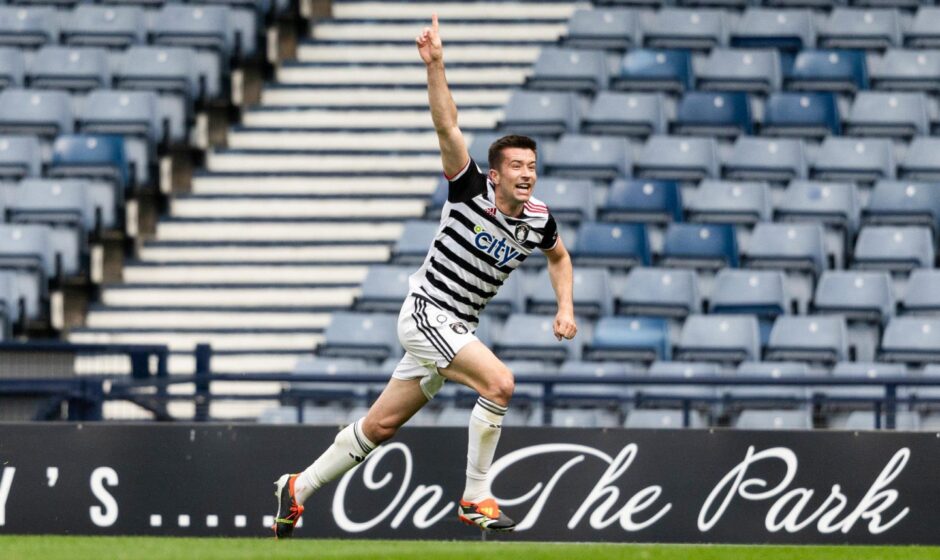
{"points": [[434, 22]]}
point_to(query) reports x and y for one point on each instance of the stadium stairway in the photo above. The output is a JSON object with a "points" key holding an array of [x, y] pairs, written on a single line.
{"points": [[313, 187]]}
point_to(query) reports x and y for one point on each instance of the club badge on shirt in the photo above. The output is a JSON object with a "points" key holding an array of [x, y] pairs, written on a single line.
{"points": [[521, 233]]}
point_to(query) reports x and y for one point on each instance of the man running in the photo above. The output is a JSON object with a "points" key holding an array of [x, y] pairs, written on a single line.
{"points": [[489, 225]]}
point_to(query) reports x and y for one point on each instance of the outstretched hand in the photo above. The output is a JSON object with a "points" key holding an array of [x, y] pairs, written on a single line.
{"points": [[429, 42]]}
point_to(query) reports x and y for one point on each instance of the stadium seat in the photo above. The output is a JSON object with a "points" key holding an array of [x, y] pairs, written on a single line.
{"points": [[700, 246], [571, 200], [602, 28], [922, 160], [766, 159], [28, 27], [835, 205], [63, 205], [161, 69], [626, 114], [654, 70], [677, 157], [843, 71], [384, 288], [20, 156], [99, 210], [371, 336], [922, 293], [679, 370], [785, 30], [751, 70], [12, 67], [719, 338], [33, 111], [796, 247], [803, 114], [592, 293], [905, 69], [730, 202], [865, 420], [722, 114], [641, 419], [629, 339], [854, 395], [531, 337], [904, 203], [866, 296], [774, 420], [617, 245], [77, 69], [662, 292], [894, 114], [850, 28], [585, 418], [815, 338], [913, 340], [650, 201], [92, 156], [412, 247], [756, 292], [893, 248], [588, 157], [510, 298], [28, 248], [924, 30], [128, 113], [569, 69], [200, 26], [104, 26], [853, 159], [771, 392], [684, 28], [541, 112]]}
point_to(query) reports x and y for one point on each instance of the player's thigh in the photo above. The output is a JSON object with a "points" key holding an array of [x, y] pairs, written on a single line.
{"points": [[477, 367], [399, 401]]}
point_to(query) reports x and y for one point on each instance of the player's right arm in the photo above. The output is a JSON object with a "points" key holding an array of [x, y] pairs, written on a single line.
{"points": [[454, 154]]}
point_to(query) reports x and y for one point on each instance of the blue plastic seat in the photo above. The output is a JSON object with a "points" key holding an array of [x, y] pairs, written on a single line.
{"points": [[796, 247], [662, 292], [130, 113], [677, 157], [904, 203], [731, 202], [416, 238], [684, 28], [850, 28], [542, 112], [816, 338], [92, 156], [719, 338], [924, 30], [589, 157], [893, 248], [39, 112], [750, 70], [384, 288], [773, 28], [104, 26], [77, 69], [894, 114], [602, 28], [922, 160], [700, 246], [531, 337], [906, 69], [836, 205], [723, 114], [863, 296], [854, 159], [28, 27], [630, 339], [757, 292], [20, 156], [654, 70], [922, 293], [617, 245], [804, 114], [569, 69], [635, 200], [914, 340], [843, 71], [12, 67], [371, 336], [626, 114], [571, 200], [592, 293], [766, 159]]}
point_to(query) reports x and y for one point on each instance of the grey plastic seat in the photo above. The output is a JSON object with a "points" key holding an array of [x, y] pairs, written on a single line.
{"points": [[854, 159], [73, 68], [796, 247], [99, 206], [904, 203], [592, 390], [321, 365], [591, 288], [569, 69], [384, 288], [589, 157], [922, 293], [832, 204], [626, 114], [31, 248], [104, 26], [924, 31], [895, 114], [128, 113], [662, 419], [161, 69], [20, 156], [911, 340], [750, 70], [665, 292], [680, 370], [584, 418], [510, 298], [865, 420], [531, 337], [12, 67], [720, 338], [33, 111], [735, 202], [204, 27], [774, 28], [922, 160], [416, 238], [766, 159], [758, 292], [774, 420], [817, 338], [686, 28], [866, 296], [542, 112], [677, 157], [851, 28], [894, 248], [602, 28], [58, 203], [28, 27], [771, 392], [857, 394], [361, 335], [571, 200], [905, 69]]}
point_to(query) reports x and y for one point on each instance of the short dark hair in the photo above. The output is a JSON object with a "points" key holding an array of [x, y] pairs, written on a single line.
{"points": [[495, 155]]}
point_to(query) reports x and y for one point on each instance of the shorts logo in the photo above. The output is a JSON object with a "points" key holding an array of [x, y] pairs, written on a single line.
{"points": [[459, 328], [521, 233], [441, 319], [497, 248]]}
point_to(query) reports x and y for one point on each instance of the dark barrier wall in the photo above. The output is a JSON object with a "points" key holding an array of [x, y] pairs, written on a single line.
{"points": [[584, 485]]}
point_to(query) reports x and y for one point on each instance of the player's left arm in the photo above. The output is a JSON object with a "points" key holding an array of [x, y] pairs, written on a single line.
{"points": [[561, 273]]}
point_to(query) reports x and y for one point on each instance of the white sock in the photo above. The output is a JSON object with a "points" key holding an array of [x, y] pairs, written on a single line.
{"points": [[485, 425], [350, 448]]}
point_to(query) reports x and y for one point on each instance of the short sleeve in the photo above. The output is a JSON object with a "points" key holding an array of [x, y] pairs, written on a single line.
{"points": [[466, 184], [550, 236]]}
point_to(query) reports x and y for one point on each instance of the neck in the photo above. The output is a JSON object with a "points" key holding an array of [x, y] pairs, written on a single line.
{"points": [[511, 208]]}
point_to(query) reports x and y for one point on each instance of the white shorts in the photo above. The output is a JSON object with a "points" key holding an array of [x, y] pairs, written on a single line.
{"points": [[431, 337]]}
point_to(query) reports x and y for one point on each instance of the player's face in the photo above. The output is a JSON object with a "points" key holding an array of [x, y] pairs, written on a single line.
{"points": [[515, 178]]}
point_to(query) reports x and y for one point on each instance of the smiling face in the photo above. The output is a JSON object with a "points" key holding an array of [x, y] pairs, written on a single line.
{"points": [[514, 179]]}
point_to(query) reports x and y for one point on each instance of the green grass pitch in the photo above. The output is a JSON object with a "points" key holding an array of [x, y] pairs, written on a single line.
{"points": [[167, 548]]}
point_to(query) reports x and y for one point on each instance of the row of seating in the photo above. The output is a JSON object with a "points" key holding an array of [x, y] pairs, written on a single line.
{"points": [[734, 5], [261, 6], [756, 27]]}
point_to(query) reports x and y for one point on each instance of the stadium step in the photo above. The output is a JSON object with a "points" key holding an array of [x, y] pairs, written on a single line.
{"points": [[211, 273], [224, 295], [325, 185], [295, 208], [362, 119], [474, 32], [528, 11], [398, 53], [114, 318], [186, 342], [284, 230], [317, 74], [199, 253], [305, 161], [364, 96], [278, 139]]}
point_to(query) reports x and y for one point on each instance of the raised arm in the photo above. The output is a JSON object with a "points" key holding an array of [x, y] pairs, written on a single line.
{"points": [[454, 155]]}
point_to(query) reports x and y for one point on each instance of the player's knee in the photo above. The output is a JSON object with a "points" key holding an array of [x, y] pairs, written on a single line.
{"points": [[379, 431], [501, 387]]}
